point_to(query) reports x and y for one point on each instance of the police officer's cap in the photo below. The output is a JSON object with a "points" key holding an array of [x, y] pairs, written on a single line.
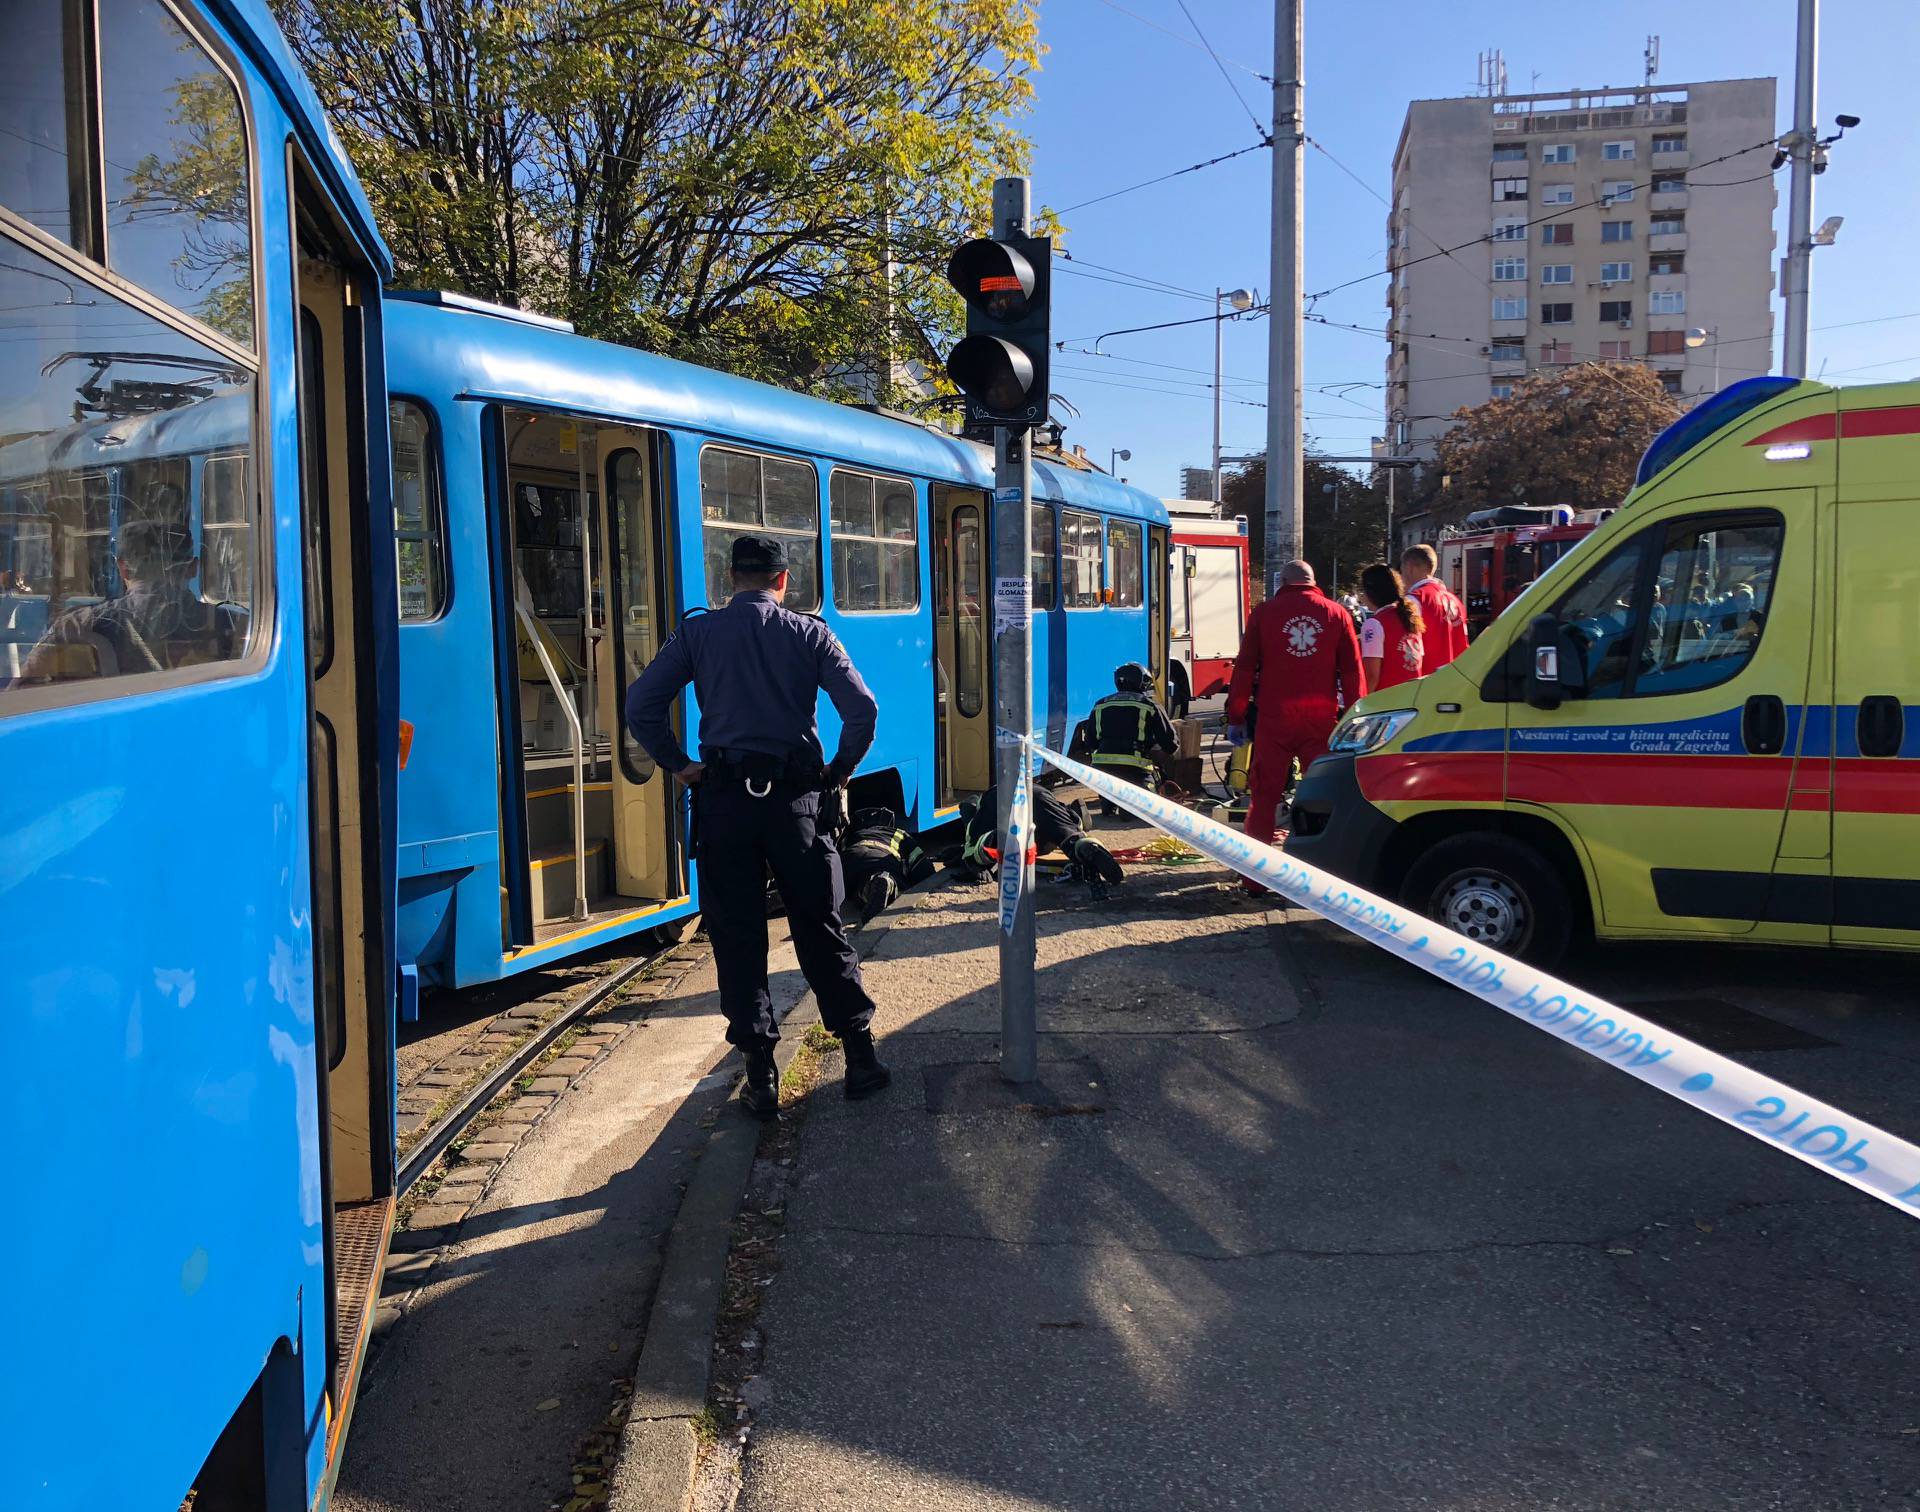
{"points": [[758, 553]]}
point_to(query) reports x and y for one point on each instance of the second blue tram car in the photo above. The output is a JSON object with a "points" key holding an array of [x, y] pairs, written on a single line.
{"points": [[196, 754], [561, 503]]}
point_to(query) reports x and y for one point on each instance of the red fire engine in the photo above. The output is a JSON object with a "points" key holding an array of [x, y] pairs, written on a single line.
{"points": [[1493, 554]]}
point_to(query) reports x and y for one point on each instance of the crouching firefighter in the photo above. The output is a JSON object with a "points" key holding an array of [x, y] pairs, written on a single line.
{"points": [[1127, 732], [882, 860], [1055, 828], [763, 797]]}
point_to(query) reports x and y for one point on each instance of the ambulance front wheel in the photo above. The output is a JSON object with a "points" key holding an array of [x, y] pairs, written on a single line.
{"points": [[1497, 892]]}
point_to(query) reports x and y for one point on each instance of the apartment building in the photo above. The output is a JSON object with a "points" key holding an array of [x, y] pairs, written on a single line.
{"points": [[1602, 224]]}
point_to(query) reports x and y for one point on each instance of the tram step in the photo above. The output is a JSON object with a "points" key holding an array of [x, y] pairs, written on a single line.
{"points": [[550, 814], [553, 874]]}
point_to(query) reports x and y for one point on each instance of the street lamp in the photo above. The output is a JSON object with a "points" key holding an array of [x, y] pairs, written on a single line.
{"points": [[1241, 300], [1699, 336], [1115, 456]]}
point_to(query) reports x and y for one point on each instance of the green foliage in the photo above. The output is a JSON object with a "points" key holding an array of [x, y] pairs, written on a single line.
{"points": [[725, 181], [1345, 520]]}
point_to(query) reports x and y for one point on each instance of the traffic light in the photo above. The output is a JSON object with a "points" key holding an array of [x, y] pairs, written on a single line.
{"points": [[1001, 363]]}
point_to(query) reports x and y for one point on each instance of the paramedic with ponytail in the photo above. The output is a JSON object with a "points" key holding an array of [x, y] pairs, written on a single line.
{"points": [[1390, 640]]}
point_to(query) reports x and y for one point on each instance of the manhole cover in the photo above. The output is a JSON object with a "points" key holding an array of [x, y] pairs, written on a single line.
{"points": [[1720, 1025]]}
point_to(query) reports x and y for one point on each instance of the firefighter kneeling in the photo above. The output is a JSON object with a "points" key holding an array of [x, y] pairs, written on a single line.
{"points": [[881, 860], [1055, 828], [1127, 733]]}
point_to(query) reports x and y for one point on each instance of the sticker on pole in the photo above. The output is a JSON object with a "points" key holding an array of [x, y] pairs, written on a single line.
{"points": [[1848, 1148], [1007, 495], [1012, 600]]}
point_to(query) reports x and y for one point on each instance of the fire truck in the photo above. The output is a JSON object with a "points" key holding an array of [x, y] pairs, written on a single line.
{"points": [[1491, 556], [1208, 599]]}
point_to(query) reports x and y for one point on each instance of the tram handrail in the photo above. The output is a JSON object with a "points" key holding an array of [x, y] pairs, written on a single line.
{"points": [[522, 609]]}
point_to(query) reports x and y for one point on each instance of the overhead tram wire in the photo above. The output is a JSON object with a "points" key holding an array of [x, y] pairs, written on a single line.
{"points": [[1142, 278], [1259, 129], [1138, 288], [1101, 199], [1170, 367], [1412, 225], [1185, 41], [1556, 213]]}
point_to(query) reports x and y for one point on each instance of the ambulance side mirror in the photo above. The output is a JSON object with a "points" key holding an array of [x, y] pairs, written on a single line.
{"points": [[1543, 689]]}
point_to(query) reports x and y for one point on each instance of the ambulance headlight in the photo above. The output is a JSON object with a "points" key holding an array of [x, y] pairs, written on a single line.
{"points": [[1361, 733]]}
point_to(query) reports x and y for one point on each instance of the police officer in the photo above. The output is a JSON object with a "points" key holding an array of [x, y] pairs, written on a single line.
{"points": [[757, 793], [1128, 732]]}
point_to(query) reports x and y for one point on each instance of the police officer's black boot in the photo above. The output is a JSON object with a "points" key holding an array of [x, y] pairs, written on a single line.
{"points": [[760, 1097], [865, 1074]]}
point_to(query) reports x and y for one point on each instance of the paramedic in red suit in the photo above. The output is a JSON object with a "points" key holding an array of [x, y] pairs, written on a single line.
{"points": [[1446, 633], [1300, 662]]}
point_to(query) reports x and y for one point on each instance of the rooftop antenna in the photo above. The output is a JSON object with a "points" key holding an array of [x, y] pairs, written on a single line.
{"points": [[1652, 59], [1492, 79]]}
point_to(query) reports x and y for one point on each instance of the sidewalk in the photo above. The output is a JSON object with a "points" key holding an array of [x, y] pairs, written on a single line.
{"points": [[1298, 1227]]}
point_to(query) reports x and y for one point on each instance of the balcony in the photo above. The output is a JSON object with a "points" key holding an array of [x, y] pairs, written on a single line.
{"points": [[1671, 200], [1675, 161], [1672, 241]]}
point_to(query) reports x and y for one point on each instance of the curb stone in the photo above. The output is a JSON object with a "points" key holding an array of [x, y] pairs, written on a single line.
{"points": [[659, 1450]]}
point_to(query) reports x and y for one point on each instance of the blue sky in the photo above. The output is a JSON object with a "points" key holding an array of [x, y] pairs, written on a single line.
{"points": [[1120, 101]]}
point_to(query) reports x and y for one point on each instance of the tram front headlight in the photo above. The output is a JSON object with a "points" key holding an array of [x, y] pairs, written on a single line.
{"points": [[1361, 733]]}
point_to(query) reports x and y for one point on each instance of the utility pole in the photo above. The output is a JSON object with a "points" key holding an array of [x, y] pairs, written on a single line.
{"points": [[1013, 698], [1797, 266], [1286, 439], [1219, 337]]}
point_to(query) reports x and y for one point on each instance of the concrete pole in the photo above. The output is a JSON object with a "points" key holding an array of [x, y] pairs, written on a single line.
{"points": [[1286, 438], [1219, 332], [1013, 700], [1797, 267]]}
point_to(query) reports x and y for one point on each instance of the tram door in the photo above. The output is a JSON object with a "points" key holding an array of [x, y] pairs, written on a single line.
{"points": [[637, 619], [1159, 582], [344, 803], [962, 712]]}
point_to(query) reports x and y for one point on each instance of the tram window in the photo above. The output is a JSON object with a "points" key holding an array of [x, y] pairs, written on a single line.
{"points": [[969, 622], [1123, 542], [40, 181], [174, 145], [876, 542], [1042, 568], [1082, 559], [419, 517], [744, 491], [100, 548]]}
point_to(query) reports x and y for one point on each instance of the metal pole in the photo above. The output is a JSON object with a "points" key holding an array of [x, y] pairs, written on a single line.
{"points": [[1390, 547], [1285, 433], [1797, 266], [1219, 330], [1013, 702]]}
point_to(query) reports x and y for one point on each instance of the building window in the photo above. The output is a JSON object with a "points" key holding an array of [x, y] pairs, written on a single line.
{"points": [[1617, 192], [1556, 236], [1557, 152], [1667, 302], [1128, 565], [1616, 309], [1672, 183], [1616, 152], [876, 551], [1667, 263], [1674, 142], [1556, 351], [1557, 273], [1666, 343], [1509, 307], [776, 496], [1616, 231], [1557, 194], [1509, 154], [1503, 391], [1667, 225], [1509, 230], [1670, 382], [1082, 559], [1616, 272], [1509, 269], [1616, 351], [1509, 189], [1508, 349], [419, 535], [1556, 314]]}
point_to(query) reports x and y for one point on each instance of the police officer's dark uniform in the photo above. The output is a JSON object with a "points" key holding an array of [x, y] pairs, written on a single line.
{"points": [[758, 670]]}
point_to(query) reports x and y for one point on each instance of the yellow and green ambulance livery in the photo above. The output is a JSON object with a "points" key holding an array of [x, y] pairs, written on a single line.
{"points": [[1703, 721]]}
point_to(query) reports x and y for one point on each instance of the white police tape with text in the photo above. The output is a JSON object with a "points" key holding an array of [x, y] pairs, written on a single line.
{"points": [[1856, 1152]]}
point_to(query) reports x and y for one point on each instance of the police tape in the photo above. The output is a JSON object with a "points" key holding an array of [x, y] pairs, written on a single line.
{"points": [[1016, 859], [1858, 1153]]}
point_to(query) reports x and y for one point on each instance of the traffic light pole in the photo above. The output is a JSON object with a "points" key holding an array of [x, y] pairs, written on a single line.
{"points": [[1013, 701]]}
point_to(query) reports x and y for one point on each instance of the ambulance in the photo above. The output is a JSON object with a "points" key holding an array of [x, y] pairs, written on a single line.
{"points": [[1702, 723]]}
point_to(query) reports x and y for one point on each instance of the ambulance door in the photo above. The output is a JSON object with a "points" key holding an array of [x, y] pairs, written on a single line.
{"points": [[638, 616], [1685, 655], [1876, 684]]}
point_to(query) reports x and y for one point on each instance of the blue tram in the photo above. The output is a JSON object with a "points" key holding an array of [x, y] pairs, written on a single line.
{"points": [[559, 505], [197, 742]]}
